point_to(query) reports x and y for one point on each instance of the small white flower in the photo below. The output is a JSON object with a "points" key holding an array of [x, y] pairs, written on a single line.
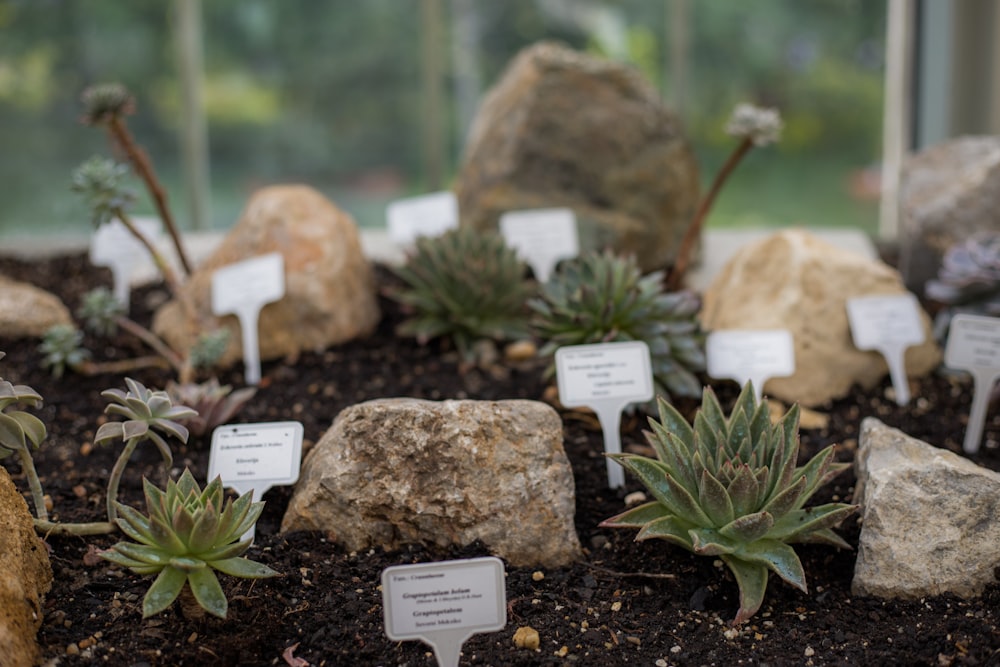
{"points": [[760, 125]]}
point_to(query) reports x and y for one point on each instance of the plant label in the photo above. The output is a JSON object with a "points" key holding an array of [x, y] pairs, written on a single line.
{"points": [[974, 346], [444, 603], [541, 237], [115, 247], [754, 356], [888, 324], [427, 215], [251, 458], [242, 289], [605, 377]]}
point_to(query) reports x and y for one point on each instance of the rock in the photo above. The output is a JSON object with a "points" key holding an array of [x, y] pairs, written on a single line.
{"points": [[329, 284], [929, 518], [27, 311], [396, 471], [948, 192], [25, 578], [793, 280], [562, 128]]}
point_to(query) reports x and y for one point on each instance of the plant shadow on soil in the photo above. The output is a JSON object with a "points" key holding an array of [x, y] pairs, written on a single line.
{"points": [[624, 603]]}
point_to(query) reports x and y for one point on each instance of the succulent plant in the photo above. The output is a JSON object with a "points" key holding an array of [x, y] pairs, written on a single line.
{"points": [[209, 348], [104, 101], [100, 311], [148, 414], [604, 298], [20, 432], [214, 403], [62, 348], [100, 181], [968, 280], [188, 536], [465, 285], [729, 487]]}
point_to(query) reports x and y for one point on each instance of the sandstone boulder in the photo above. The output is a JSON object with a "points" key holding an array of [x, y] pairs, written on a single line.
{"points": [[794, 280], [929, 518], [562, 128], [396, 471], [948, 192], [25, 578], [329, 284], [27, 311]]}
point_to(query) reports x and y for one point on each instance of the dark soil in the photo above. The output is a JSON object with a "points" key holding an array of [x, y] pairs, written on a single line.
{"points": [[624, 603]]}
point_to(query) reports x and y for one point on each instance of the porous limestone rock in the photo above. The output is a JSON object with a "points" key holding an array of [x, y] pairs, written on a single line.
{"points": [[929, 518], [330, 293], [25, 578], [949, 192], [796, 281], [27, 311], [395, 471], [562, 128]]}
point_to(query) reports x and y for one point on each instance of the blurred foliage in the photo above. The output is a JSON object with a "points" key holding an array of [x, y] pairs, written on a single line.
{"points": [[329, 92]]}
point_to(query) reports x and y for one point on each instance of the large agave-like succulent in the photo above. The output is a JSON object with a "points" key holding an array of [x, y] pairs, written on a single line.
{"points": [[968, 280], [466, 285], [604, 298], [730, 488], [188, 535]]}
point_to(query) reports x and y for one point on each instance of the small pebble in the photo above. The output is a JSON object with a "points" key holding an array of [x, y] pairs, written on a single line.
{"points": [[675, 649], [86, 448], [616, 605], [635, 498], [521, 350], [48, 502], [527, 637], [562, 652], [72, 649], [538, 575], [661, 663], [809, 652], [632, 639]]}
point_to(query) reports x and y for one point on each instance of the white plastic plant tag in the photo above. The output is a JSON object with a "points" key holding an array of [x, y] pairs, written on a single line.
{"points": [[542, 237], [444, 603], [605, 377], [427, 215], [974, 346], [115, 247], [754, 356], [888, 324], [242, 289], [251, 458]]}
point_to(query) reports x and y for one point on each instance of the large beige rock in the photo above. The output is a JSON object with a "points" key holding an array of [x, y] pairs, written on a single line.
{"points": [[329, 284], [25, 578], [27, 311], [794, 280], [396, 471], [562, 128], [930, 518], [949, 192]]}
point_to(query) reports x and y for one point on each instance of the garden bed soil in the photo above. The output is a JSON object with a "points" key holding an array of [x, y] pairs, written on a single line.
{"points": [[623, 603]]}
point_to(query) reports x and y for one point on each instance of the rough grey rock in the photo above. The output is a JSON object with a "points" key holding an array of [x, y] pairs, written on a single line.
{"points": [[395, 471], [796, 281], [329, 284], [929, 518], [27, 311], [25, 578], [949, 192], [562, 128]]}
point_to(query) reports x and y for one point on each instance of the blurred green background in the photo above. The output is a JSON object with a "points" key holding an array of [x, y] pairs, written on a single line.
{"points": [[369, 101]]}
